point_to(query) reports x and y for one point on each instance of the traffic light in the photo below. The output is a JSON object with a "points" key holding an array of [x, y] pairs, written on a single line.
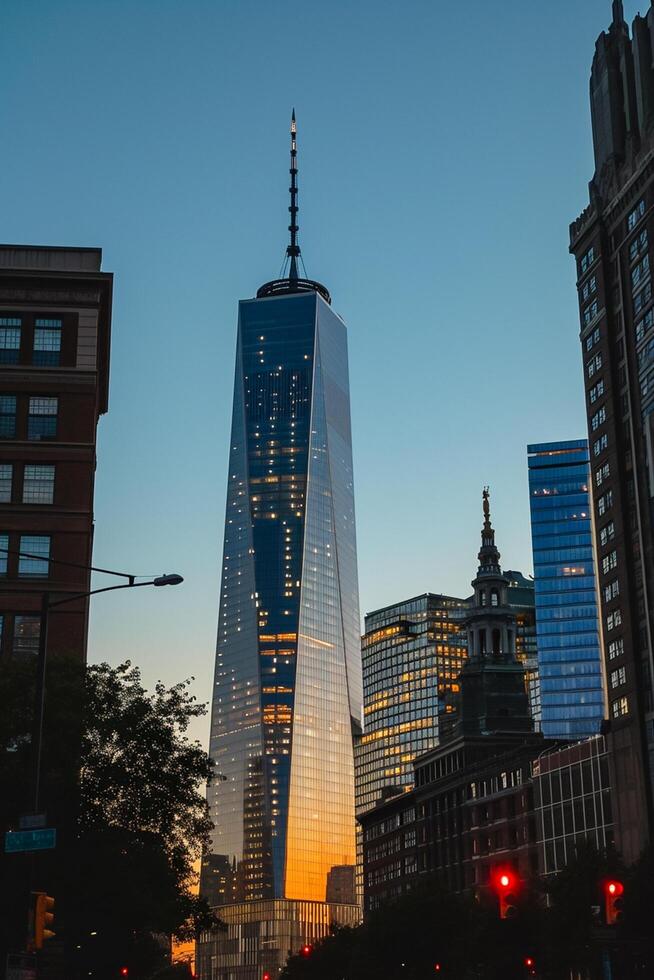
{"points": [[266, 976], [505, 883], [306, 950], [43, 919], [124, 971], [613, 901], [530, 965]]}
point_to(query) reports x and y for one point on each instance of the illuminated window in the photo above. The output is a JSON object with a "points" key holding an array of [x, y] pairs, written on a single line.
{"points": [[602, 474], [619, 707], [598, 418], [607, 533], [613, 620], [600, 444], [618, 677]]}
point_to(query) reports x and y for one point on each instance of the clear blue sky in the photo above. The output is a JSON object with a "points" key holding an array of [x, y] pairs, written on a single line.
{"points": [[444, 149]]}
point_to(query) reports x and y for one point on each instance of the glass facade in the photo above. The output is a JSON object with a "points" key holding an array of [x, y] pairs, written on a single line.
{"points": [[287, 693], [412, 655], [567, 624], [572, 800]]}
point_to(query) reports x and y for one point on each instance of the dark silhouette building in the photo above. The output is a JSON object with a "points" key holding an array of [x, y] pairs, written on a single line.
{"points": [[611, 244], [55, 320], [472, 805]]}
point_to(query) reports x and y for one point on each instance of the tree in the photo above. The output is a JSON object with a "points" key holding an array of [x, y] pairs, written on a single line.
{"points": [[143, 813], [123, 870]]}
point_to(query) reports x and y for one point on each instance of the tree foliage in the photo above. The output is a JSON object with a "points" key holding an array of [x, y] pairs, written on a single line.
{"points": [[124, 785]]}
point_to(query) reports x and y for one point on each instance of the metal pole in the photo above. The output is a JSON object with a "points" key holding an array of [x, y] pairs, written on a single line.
{"points": [[39, 703]]}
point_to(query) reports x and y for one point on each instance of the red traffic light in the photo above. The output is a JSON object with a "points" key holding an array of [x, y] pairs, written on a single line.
{"points": [[124, 971], [613, 892], [266, 976], [529, 961], [306, 950], [437, 967]]}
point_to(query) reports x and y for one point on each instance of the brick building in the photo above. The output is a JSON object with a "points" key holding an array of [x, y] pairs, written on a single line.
{"points": [[55, 318]]}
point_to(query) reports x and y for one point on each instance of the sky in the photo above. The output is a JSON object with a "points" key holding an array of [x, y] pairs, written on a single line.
{"points": [[444, 148]]}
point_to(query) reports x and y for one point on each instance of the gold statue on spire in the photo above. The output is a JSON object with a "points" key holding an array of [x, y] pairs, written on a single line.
{"points": [[486, 499]]}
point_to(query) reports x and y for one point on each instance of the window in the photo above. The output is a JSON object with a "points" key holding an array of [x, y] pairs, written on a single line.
{"points": [[4, 544], [9, 340], [47, 342], [27, 630], [616, 649], [589, 287], [593, 338], [594, 365], [38, 484], [598, 418], [587, 260], [638, 245], [643, 297], [596, 391], [39, 547], [609, 562], [619, 707], [613, 620], [42, 418], [7, 416], [639, 272], [600, 444], [611, 590], [607, 533], [494, 597], [635, 215], [602, 474], [645, 325], [618, 677], [604, 502], [590, 312], [6, 471]]}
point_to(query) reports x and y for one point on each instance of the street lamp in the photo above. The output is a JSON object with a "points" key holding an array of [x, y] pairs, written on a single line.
{"points": [[46, 606]]}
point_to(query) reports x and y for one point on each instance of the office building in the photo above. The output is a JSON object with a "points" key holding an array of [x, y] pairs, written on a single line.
{"points": [[287, 691], [472, 805], [412, 654], [55, 322], [610, 241], [520, 599], [572, 802], [567, 621]]}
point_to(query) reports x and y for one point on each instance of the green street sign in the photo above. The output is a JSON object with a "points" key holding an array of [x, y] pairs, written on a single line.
{"points": [[30, 840]]}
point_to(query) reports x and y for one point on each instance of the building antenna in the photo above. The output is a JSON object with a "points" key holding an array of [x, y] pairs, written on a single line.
{"points": [[293, 250]]}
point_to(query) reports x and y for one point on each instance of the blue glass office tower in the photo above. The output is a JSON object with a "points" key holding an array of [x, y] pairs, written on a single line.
{"points": [[567, 623], [287, 692]]}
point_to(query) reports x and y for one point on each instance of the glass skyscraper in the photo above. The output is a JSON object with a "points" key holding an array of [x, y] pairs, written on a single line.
{"points": [[287, 693], [412, 654], [567, 624]]}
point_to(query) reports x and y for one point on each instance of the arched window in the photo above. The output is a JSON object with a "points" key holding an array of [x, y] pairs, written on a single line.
{"points": [[482, 597], [495, 599]]}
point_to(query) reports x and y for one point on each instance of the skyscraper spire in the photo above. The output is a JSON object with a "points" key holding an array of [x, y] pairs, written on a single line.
{"points": [[293, 249], [293, 282], [618, 12], [489, 556]]}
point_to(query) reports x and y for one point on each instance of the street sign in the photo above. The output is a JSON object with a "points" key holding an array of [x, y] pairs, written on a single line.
{"points": [[21, 966], [32, 821], [30, 840]]}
